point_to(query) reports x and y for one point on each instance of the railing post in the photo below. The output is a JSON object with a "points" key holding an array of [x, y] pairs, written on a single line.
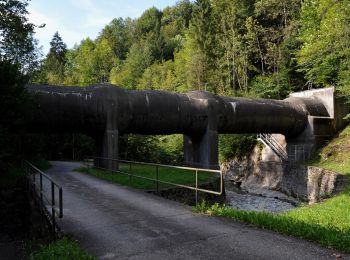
{"points": [[53, 209], [53, 223], [60, 201], [196, 187], [52, 194], [130, 173], [157, 178], [33, 176], [41, 188]]}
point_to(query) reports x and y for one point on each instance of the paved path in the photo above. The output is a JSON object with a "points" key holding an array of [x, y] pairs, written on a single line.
{"points": [[114, 222]]}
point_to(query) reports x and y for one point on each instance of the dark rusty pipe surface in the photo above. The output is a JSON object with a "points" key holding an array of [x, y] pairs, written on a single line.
{"points": [[91, 110]]}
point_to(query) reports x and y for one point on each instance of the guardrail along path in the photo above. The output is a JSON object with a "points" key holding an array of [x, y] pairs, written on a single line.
{"points": [[115, 222]]}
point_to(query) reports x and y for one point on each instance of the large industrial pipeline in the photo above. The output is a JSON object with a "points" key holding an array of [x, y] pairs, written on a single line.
{"points": [[106, 111]]}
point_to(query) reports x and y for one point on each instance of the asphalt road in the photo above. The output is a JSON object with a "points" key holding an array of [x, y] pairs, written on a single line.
{"points": [[115, 222]]}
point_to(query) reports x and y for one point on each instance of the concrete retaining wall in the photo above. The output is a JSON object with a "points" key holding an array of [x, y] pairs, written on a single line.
{"points": [[306, 183]]}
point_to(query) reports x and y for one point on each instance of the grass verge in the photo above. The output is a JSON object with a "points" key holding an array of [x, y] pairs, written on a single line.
{"points": [[327, 223], [63, 249], [178, 176]]}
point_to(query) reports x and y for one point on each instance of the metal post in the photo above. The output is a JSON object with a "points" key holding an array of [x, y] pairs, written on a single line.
{"points": [[60, 202], [41, 188], [196, 187], [53, 210], [52, 194], [130, 173], [157, 170], [53, 223]]}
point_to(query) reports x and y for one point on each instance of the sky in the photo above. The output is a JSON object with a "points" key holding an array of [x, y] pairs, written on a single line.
{"points": [[76, 20]]}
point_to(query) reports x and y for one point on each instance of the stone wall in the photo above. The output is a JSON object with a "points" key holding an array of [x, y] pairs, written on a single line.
{"points": [[311, 184], [306, 183]]}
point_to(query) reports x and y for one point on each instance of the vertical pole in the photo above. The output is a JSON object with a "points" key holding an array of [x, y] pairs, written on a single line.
{"points": [[53, 223], [41, 188], [157, 170], [112, 171], [60, 202], [196, 187], [130, 173], [52, 194], [53, 210]]}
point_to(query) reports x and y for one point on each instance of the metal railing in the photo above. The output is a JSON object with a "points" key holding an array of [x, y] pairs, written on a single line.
{"points": [[270, 141], [97, 164], [47, 195]]}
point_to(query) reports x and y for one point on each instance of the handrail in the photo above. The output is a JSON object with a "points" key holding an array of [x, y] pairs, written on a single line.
{"points": [[46, 202], [277, 149], [274, 145], [42, 173], [157, 166]]}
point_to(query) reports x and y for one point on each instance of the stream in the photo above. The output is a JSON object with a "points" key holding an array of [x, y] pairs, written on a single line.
{"points": [[268, 201]]}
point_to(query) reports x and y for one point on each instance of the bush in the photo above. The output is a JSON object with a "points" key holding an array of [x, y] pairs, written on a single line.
{"points": [[152, 148], [233, 146]]}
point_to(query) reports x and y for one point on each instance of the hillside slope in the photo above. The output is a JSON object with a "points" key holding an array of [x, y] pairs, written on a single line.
{"points": [[336, 155]]}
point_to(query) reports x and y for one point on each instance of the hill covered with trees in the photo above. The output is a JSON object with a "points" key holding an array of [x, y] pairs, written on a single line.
{"points": [[264, 48], [258, 48]]}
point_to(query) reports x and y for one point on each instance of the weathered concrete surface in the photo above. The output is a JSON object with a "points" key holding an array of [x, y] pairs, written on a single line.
{"points": [[310, 183], [96, 108], [319, 129], [262, 173], [105, 111], [114, 222]]}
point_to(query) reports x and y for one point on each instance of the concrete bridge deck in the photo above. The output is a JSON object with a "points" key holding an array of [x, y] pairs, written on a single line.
{"points": [[115, 222]]}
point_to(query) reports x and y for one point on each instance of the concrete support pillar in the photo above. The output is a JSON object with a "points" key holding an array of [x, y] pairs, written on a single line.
{"points": [[108, 143], [111, 147], [108, 148], [202, 150]]}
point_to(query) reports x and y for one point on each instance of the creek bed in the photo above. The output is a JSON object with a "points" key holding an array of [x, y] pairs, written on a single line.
{"points": [[273, 201]]}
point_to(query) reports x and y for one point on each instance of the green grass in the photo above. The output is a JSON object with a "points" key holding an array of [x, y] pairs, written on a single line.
{"points": [[64, 249], [336, 155], [327, 223], [329, 235], [173, 175]]}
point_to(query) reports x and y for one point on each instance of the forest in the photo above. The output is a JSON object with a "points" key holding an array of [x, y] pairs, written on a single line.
{"points": [[254, 48]]}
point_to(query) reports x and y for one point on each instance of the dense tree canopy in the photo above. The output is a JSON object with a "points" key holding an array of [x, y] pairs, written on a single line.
{"points": [[17, 44], [260, 48], [18, 58]]}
